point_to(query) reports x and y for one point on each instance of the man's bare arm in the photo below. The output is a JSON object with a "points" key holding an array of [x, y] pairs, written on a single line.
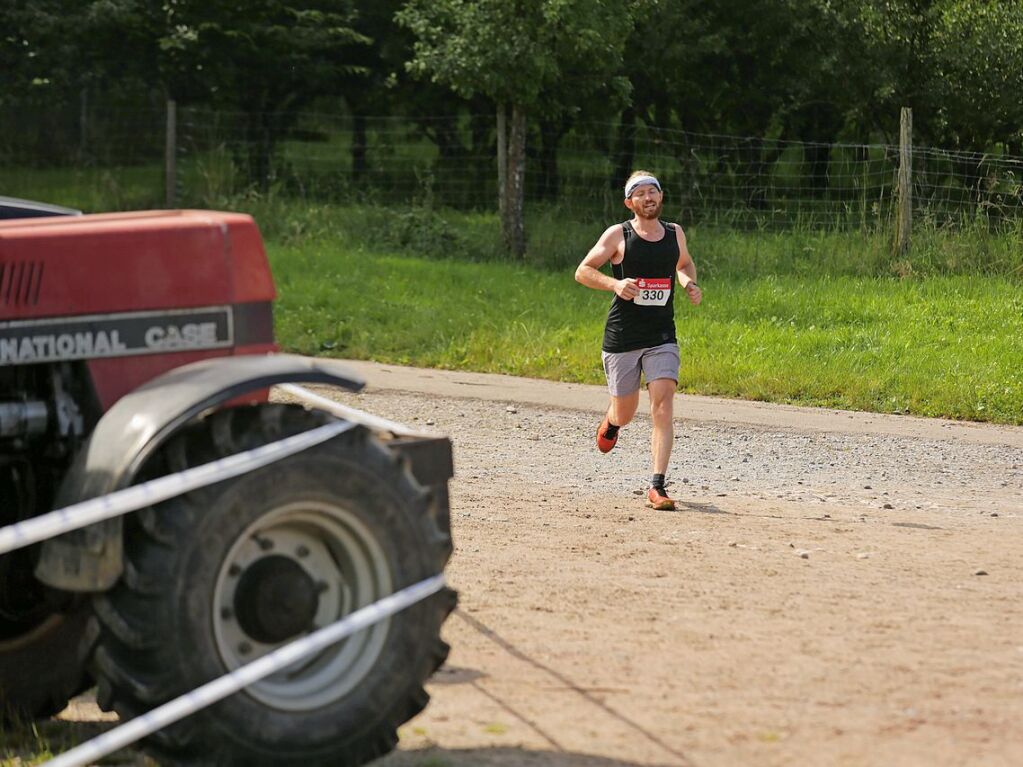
{"points": [[686, 268], [588, 272]]}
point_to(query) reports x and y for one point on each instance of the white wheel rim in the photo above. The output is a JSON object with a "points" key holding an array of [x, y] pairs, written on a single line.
{"points": [[341, 555]]}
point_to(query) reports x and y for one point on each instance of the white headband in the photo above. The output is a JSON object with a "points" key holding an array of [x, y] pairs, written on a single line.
{"points": [[639, 181]]}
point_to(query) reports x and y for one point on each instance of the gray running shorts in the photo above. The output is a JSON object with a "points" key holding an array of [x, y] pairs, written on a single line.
{"points": [[623, 368]]}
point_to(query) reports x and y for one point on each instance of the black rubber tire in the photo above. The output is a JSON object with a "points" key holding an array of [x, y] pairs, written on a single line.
{"points": [[156, 640], [41, 670]]}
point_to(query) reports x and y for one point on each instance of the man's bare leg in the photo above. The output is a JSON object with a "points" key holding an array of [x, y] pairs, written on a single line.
{"points": [[619, 412], [622, 409], [662, 396]]}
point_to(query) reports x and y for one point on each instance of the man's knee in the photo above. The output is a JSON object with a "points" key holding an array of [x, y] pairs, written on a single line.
{"points": [[662, 394], [624, 408], [661, 412]]}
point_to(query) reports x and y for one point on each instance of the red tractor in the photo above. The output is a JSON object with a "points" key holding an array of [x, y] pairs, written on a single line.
{"points": [[137, 345]]}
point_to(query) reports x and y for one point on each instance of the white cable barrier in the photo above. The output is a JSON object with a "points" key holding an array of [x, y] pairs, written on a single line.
{"points": [[136, 497], [348, 413], [220, 688]]}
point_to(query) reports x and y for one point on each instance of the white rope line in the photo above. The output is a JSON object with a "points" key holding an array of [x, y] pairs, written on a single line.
{"points": [[234, 681], [118, 503], [348, 413]]}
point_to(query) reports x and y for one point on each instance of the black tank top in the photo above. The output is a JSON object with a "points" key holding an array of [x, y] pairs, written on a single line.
{"points": [[651, 321]]}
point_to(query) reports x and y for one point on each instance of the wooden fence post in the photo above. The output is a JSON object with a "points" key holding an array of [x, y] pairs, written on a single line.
{"points": [[170, 155], [905, 217]]}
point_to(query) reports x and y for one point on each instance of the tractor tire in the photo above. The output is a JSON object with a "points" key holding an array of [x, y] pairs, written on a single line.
{"points": [[220, 576], [43, 667]]}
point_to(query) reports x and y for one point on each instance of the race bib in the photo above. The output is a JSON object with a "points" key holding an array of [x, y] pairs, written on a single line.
{"points": [[653, 291]]}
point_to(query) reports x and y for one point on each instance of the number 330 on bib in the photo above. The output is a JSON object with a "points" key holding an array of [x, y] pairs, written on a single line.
{"points": [[653, 291]]}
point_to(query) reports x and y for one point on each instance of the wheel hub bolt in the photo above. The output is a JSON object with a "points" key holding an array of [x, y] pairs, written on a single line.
{"points": [[227, 613], [302, 552], [234, 571], [321, 586], [265, 543], [244, 648]]}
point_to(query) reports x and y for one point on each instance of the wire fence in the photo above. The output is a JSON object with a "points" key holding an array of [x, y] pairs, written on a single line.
{"points": [[103, 159]]}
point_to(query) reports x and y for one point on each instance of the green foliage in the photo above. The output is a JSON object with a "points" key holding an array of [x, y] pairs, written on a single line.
{"points": [[980, 58], [41, 51], [809, 69], [520, 52]]}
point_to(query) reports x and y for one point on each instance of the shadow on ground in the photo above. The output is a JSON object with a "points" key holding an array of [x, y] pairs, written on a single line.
{"points": [[498, 757], [557, 756]]}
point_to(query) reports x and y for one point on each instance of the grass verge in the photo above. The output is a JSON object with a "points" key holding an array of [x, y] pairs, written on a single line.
{"points": [[933, 346]]}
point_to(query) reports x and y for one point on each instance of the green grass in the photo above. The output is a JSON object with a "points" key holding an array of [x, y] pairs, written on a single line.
{"points": [[31, 743], [934, 346], [91, 189]]}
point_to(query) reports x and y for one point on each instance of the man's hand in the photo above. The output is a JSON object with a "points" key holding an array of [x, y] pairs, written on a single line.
{"points": [[626, 289], [694, 293]]}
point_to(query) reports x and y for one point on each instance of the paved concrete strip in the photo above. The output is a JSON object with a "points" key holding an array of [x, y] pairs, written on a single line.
{"points": [[504, 388]]}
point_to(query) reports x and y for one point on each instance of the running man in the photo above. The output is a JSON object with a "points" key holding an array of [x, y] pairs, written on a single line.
{"points": [[646, 254]]}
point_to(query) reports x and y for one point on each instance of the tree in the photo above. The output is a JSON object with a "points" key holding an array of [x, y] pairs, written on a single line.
{"points": [[40, 53], [979, 61], [271, 58], [46, 71], [514, 52], [715, 72], [435, 111], [264, 58]]}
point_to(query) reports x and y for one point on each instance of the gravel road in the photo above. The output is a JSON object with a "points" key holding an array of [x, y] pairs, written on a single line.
{"points": [[835, 588], [959, 468]]}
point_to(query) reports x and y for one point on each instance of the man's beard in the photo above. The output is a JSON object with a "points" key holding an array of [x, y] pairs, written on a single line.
{"points": [[651, 215]]}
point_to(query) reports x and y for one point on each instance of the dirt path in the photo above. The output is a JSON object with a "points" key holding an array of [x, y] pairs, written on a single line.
{"points": [[818, 599], [836, 588]]}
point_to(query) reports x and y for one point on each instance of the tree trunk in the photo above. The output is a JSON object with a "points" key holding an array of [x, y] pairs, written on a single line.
{"points": [[513, 223]]}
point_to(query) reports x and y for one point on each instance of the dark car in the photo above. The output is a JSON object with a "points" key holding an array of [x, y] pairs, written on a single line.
{"points": [[12, 207]]}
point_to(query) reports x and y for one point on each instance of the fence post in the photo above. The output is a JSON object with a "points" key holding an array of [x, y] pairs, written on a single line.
{"points": [[905, 217], [170, 156]]}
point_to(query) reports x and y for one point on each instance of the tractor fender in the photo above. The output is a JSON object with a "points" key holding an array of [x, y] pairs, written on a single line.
{"points": [[91, 558]]}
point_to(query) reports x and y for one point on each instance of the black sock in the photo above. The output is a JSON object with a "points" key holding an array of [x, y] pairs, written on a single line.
{"points": [[611, 431], [657, 480]]}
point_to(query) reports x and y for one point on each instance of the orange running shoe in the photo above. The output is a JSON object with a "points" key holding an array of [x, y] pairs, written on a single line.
{"points": [[657, 499], [604, 443]]}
